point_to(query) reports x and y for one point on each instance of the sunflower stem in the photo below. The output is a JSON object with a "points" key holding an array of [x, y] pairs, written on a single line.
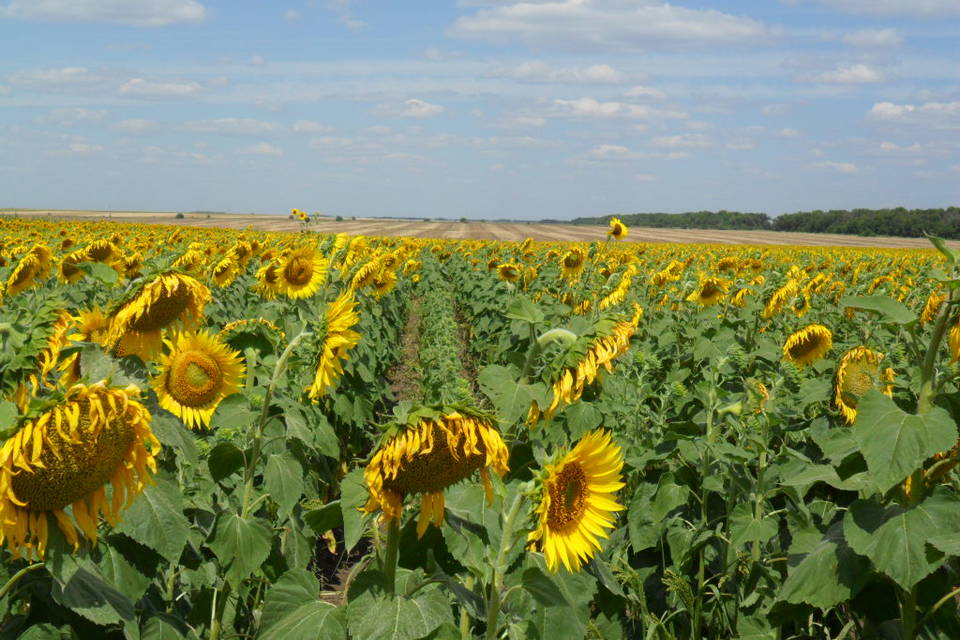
{"points": [[391, 555], [499, 567], [251, 471], [928, 372], [19, 574]]}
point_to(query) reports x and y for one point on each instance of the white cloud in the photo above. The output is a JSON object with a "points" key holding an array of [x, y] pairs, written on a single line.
{"points": [[934, 115], [889, 8], [839, 167], [539, 72], [618, 152], [342, 10], [740, 146], [140, 88], [645, 177], [138, 13], [848, 74], [522, 122], [607, 24], [436, 55], [71, 117], [136, 126], [262, 149], [331, 142], [645, 92], [873, 38], [291, 15], [233, 127], [590, 107], [412, 108], [684, 140], [788, 133], [257, 60], [65, 78], [83, 148], [310, 126]]}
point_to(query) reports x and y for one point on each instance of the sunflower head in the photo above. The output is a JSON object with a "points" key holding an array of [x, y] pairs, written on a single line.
{"points": [[573, 261], [268, 280], [617, 230], [166, 300], [384, 283], [339, 339], [226, 270], [429, 456], [197, 373], [859, 371], [509, 272], [302, 272], [710, 291], [577, 503], [808, 345], [66, 457]]}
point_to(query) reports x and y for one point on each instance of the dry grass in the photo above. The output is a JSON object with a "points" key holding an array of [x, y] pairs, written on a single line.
{"points": [[480, 230]]}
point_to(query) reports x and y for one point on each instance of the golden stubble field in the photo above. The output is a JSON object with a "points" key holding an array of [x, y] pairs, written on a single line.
{"points": [[476, 230]]}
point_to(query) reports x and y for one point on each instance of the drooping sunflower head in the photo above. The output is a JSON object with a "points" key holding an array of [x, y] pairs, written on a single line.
{"points": [[226, 270], [808, 345], [428, 457], [339, 339], [859, 371], [268, 280], [384, 283], [617, 230], [509, 272], [67, 270], [302, 272], [101, 251], [573, 261], [577, 503], [197, 373], [709, 291], [65, 458], [166, 300], [932, 307], [30, 271]]}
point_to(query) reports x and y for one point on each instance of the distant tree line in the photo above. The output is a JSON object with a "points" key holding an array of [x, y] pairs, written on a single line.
{"points": [[908, 223]]}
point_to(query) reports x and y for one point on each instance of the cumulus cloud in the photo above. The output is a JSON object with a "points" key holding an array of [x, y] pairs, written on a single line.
{"points": [[539, 72], [262, 149], [645, 177], [136, 126], [84, 148], [933, 115], [71, 117], [687, 140], [310, 126], [62, 79], [592, 108], [412, 108], [233, 127], [618, 152], [890, 8], [138, 13], [140, 88], [847, 74], [645, 92], [607, 24], [522, 122], [838, 167], [873, 38]]}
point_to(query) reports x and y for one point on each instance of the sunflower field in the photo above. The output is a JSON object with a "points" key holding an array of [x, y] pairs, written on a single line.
{"points": [[210, 433]]}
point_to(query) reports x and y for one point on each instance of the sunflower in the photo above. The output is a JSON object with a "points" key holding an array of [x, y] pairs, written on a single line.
{"points": [[65, 457], [68, 271], [710, 291], [858, 372], [932, 307], [617, 296], [953, 340], [573, 261], [225, 271], [429, 457], [196, 375], [384, 283], [30, 271], [508, 272], [167, 299], [302, 272], [807, 345], [90, 325], [268, 280], [339, 339], [618, 230], [780, 298], [576, 504], [365, 275]]}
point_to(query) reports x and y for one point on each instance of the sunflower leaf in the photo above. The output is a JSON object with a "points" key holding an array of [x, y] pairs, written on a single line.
{"points": [[889, 309], [241, 545], [283, 478], [292, 611], [156, 520], [828, 575]]}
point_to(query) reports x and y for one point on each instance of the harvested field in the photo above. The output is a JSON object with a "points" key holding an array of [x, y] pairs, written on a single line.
{"points": [[479, 230]]}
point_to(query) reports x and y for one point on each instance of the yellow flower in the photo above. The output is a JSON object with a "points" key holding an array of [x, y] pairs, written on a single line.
{"points": [[225, 271], [65, 457], [339, 339], [573, 261], [384, 283], [168, 299], [577, 502], [508, 272], [268, 280], [710, 291], [807, 345], [932, 307], [780, 298], [858, 372], [197, 374], [30, 271], [302, 273], [618, 230], [429, 457]]}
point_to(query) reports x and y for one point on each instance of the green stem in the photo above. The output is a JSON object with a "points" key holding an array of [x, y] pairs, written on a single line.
{"points": [[465, 633], [908, 613], [391, 555], [928, 372], [19, 574], [499, 568], [942, 601], [250, 472]]}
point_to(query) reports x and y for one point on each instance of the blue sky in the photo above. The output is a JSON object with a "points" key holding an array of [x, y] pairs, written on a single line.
{"points": [[479, 108]]}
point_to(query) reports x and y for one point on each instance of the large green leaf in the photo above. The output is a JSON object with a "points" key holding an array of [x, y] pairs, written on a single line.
{"points": [[353, 495], [224, 459], [510, 397], [172, 433], [889, 309], [897, 540], [241, 545], [830, 574], [745, 527], [895, 443], [283, 479], [156, 520], [377, 616], [292, 610], [94, 599]]}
